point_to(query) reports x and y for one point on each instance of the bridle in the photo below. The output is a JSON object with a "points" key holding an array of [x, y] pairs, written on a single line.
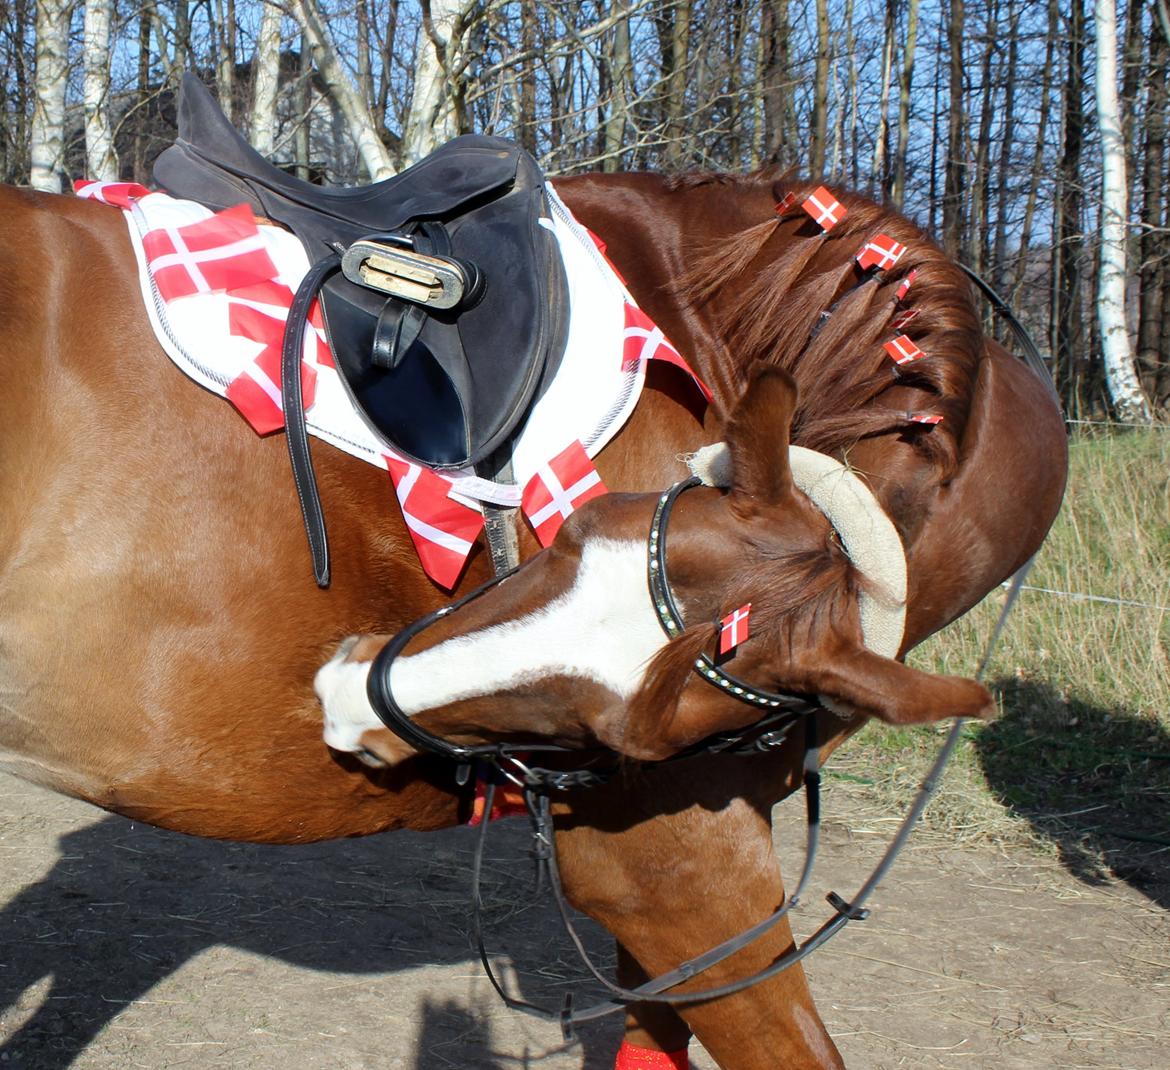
{"points": [[781, 713], [512, 762]]}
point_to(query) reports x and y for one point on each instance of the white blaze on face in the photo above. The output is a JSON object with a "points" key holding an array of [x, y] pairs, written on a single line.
{"points": [[602, 629]]}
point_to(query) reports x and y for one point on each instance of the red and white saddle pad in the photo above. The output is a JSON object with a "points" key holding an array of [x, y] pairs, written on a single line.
{"points": [[217, 288]]}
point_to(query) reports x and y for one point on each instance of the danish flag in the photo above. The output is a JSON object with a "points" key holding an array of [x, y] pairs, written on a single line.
{"points": [[224, 252], [900, 321], [118, 194], [904, 286], [442, 529], [734, 628], [785, 205], [881, 251], [557, 488], [825, 209], [902, 350], [260, 312], [644, 340]]}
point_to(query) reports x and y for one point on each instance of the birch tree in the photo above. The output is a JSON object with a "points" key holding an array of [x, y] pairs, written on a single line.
{"points": [[1129, 401], [905, 81], [266, 79], [372, 151], [100, 161], [435, 104], [820, 108], [882, 139], [47, 148]]}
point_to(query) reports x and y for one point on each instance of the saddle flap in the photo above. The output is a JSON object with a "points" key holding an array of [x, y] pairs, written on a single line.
{"points": [[471, 373]]}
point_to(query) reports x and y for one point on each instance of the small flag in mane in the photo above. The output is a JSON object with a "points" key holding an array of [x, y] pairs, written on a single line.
{"points": [[904, 286], [558, 488], [224, 252], [786, 204], [644, 340], [902, 350], [826, 211], [930, 418], [442, 529], [734, 628], [117, 194], [881, 251], [903, 318]]}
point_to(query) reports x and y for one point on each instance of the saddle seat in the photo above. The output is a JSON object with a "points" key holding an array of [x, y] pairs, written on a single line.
{"points": [[445, 386]]}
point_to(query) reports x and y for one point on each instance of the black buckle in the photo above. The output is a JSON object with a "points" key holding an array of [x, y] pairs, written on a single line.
{"points": [[847, 910]]}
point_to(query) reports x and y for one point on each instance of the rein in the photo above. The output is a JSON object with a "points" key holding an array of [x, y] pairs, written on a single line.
{"points": [[537, 783], [766, 734]]}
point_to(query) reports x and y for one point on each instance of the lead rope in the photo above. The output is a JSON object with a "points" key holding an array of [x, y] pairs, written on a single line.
{"points": [[654, 991]]}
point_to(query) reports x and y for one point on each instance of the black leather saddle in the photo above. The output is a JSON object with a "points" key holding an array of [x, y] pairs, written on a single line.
{"points": [[443, 372]]}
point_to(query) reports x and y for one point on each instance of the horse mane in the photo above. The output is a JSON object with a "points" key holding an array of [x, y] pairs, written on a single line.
{"points": [[784, 292]]}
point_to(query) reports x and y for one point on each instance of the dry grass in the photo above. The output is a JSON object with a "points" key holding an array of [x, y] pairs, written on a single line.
{"points": [[1080, 758]]}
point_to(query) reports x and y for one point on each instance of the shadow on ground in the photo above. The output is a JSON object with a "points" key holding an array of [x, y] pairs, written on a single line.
{"points": [[1094, 781], [125, 905]]}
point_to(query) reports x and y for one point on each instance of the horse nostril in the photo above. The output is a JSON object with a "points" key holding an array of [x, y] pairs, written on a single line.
{"points": [[368, 757]]}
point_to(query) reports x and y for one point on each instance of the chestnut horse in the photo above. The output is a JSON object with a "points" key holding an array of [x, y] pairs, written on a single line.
{"points": [[161, 630]]}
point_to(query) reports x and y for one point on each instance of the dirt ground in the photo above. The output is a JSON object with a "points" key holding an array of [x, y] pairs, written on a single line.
{"points": [[124, 947]]}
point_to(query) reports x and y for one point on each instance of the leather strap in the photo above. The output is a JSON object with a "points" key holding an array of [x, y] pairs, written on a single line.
{"points": [[294, 413], [499, 521], [399, 325]]}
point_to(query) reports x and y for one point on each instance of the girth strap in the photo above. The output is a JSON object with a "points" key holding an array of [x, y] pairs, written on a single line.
{"points": [[291, 355]]}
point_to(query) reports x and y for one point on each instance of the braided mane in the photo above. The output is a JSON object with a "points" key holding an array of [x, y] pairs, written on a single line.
{"points": [[784, 292]]}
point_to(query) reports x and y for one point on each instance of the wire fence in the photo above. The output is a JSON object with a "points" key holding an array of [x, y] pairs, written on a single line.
{"points": [[1156, 426], [1079, 596]]}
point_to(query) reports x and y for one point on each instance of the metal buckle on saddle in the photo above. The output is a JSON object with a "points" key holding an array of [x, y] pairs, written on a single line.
{"points": [[391, 265]]}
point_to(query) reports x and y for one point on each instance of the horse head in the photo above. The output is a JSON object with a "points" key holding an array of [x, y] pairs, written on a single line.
{"points": [[573, 649]]}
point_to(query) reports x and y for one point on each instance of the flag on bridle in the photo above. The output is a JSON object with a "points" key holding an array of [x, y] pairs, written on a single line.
{"points": [[881, 252], [644, 340], [558, 488], [734, 628], [224, 252], [826, 211], [442, 529]]}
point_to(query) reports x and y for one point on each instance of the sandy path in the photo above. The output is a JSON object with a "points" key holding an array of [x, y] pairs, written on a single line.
{"points": [[123, 947]]}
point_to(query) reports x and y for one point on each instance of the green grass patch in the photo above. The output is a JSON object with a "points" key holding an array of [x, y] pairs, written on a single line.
{"points": [[1078, 758]]}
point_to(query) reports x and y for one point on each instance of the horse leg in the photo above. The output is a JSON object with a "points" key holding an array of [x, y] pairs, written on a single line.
{"points": [[680, 877], [656, 1037]]}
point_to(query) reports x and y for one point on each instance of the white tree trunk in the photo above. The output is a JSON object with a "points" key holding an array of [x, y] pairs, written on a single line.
{"points": [[357, 114], [266, 81], [100, 160], [47, 150], [432, 118], [1129, 400]]}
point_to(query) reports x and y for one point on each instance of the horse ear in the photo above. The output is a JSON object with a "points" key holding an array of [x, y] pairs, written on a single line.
{"points": [[757, 435], [856, 680]]}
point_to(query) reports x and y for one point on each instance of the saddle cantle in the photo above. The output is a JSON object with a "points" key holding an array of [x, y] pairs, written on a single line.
{"points": [[451, 310]]}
